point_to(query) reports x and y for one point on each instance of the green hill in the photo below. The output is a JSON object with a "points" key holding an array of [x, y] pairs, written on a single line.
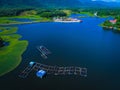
{"points": [[57, 3], [39, 3]]}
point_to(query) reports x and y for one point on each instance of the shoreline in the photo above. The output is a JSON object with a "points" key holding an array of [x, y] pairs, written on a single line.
{"points": [[109, 28], [11, 56], [24, 23], [30, 22]]}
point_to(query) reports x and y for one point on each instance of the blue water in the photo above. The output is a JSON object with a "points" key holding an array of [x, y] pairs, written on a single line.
{"points": [[21, 19], [6, 43], [83, 44]]}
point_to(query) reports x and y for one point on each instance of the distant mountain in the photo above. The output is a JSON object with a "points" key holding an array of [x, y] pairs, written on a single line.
{"points": [[20, 3], [56, 3], [60, 3], [90, 3], [39, 3]]}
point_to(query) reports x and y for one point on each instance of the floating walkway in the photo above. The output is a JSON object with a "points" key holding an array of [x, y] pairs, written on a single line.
{"points": [[54, 70]]}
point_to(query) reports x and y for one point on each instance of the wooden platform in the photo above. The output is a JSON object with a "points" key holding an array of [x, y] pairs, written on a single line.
{"points": [[55, 70]]}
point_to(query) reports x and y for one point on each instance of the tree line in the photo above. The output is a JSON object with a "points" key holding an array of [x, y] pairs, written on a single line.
{"points": [[12, 11], [48, 13], [51, 13]]}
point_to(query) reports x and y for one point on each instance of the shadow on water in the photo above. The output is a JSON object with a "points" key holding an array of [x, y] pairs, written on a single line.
{"points": [[6, 43]]}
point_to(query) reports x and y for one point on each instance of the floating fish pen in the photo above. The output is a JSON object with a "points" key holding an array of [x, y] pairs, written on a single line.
{"points": [[44, 51], [54, 70], [44, 56], [27, 70]]}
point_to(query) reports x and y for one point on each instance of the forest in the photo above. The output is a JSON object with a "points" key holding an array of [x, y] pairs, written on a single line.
{"points": [[51, 13], [101, 11], [48, 13], [12, 11]]}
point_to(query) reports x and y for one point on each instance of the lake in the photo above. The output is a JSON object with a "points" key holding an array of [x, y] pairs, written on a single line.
{"points": [[83, 44]]}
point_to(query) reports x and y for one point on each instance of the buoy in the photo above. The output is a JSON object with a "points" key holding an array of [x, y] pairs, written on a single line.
{"points": [[31, 64]]}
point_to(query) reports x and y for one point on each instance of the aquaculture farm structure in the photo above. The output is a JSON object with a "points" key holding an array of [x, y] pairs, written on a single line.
{"points": [[54, 70]]}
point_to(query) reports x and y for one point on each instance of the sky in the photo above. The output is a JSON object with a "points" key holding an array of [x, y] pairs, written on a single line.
{"points": [[108, 0]]}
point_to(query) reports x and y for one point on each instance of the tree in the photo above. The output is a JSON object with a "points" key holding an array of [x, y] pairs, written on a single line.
{"points": [[52, 13]]}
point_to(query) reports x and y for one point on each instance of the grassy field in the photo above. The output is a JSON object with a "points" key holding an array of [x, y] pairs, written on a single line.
{"points": [[87, 13], [68, 12], [10, 56], [33, 18]]}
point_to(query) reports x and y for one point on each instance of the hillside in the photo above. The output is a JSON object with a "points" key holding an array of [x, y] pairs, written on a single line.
{"points": [[39, 3], [57, 3], [19, 3]]}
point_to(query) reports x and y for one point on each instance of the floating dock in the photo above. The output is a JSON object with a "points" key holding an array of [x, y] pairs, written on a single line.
{"points": [[44, 51], [54, 70]]}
